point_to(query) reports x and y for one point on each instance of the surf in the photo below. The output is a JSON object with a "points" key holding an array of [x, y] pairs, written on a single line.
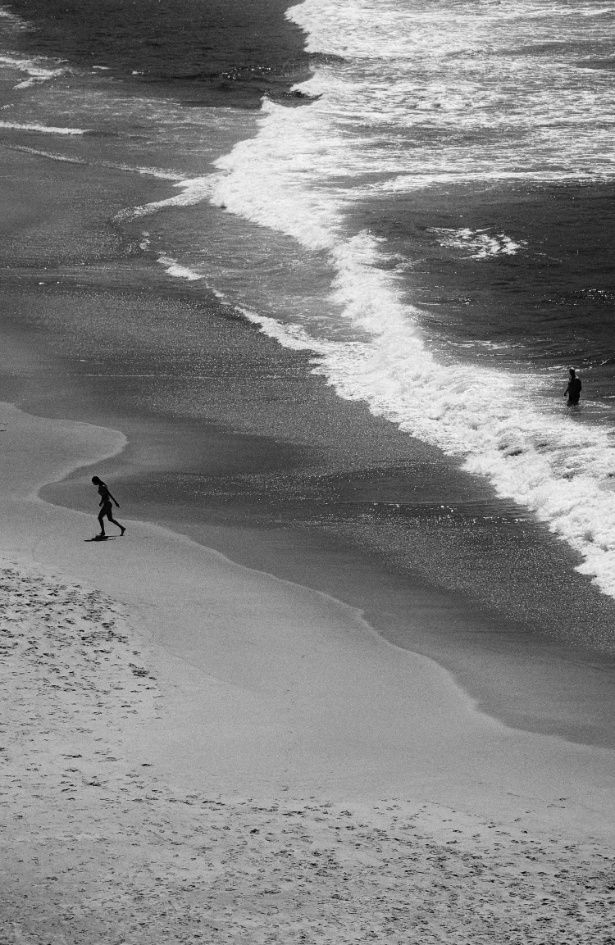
{"points": [[303, 173]]}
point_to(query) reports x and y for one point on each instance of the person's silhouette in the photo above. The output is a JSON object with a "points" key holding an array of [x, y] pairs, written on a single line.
{"points": [[573, 391], [106, 507]]}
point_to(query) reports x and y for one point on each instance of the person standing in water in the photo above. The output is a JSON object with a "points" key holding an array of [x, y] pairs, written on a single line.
{"points": [[573, 391], [106, 507]]}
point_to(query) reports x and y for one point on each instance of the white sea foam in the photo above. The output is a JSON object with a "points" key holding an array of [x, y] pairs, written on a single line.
{"points": [[35, 70], [415, 123], [477, 244], [11, 21], [174, 268], [115, 165], [406, 183], [193, 191], [51, 155], [158, 172], [430, 78], [41, 129]]}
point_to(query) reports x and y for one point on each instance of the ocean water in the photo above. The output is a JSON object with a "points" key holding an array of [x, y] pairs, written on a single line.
{"points": [[422, 203], [472, 99]]}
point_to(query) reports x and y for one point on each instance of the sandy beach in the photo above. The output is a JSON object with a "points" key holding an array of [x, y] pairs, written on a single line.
{"points": [[193, 750]]}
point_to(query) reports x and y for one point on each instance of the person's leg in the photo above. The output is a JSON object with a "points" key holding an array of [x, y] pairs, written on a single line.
{"points": [[101, 521], [121, 527]]}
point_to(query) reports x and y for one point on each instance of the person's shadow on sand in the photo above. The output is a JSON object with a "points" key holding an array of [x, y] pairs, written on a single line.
{"points": [[101, 538]]}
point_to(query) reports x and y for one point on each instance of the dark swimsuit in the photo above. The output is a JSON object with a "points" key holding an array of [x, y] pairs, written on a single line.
{"points": [[107, 506]]}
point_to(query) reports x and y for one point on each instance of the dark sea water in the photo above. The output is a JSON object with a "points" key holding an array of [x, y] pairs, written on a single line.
{"points": [[193, 51], [379, 234]]}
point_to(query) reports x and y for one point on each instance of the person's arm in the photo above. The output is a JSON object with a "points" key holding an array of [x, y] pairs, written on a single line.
{"points": [[113, 500]]}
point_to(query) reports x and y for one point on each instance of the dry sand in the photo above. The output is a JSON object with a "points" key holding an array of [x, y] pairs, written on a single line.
{"points": [[194, 751]]}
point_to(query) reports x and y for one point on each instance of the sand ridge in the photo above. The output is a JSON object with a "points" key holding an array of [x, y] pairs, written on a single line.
{"points": [[100, 847]]}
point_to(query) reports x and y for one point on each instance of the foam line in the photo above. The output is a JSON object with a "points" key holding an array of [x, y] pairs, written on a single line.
{"points": [[192, 191], [42, 129]]}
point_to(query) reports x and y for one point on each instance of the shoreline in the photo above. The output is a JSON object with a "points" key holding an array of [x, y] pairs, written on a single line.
{"points": [[196, 722], [569, 698], [294, 482]]}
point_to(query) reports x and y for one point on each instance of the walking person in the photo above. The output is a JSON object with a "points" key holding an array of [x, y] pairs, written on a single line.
{"points": [[573, 391], [106, 507]]}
